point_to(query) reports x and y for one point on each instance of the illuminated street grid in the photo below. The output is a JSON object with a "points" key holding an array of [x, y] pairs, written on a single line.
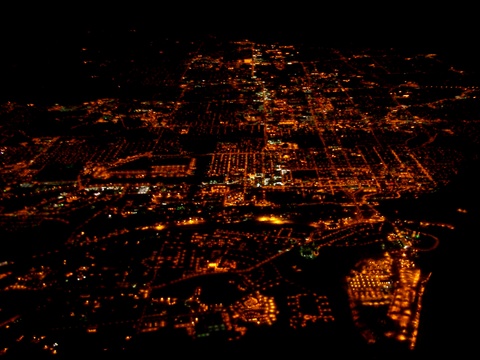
{"points": [[250, 160]]}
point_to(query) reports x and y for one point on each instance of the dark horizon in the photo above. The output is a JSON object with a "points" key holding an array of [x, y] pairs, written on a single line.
{"points": [[35, 50]]}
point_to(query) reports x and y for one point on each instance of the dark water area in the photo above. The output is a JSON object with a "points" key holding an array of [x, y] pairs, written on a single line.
{"points": [[449, 305]]}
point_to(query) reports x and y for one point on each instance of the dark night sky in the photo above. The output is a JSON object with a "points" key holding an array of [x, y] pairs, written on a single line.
{"points": [[333, 23], [46, 36]]}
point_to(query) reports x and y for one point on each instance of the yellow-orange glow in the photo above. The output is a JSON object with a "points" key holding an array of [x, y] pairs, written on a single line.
{"points": [[273, 219]]}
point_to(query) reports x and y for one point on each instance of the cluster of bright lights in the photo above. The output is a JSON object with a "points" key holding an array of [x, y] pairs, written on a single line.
{"points": [[273, 219]]}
